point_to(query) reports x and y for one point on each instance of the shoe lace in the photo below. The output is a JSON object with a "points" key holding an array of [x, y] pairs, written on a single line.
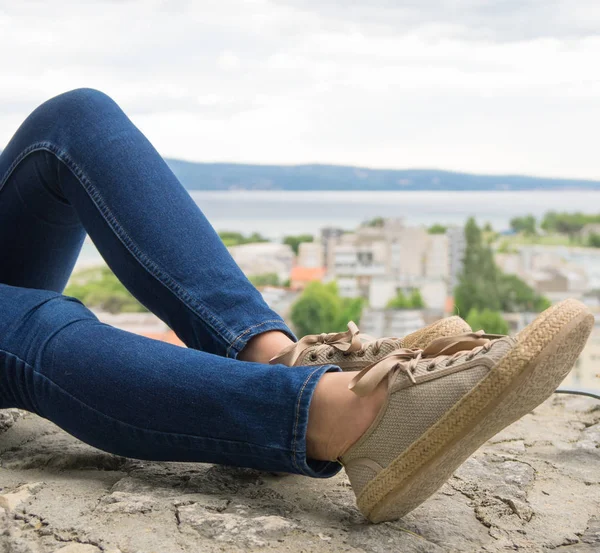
{"points": [[347, 342], [447, 349]]}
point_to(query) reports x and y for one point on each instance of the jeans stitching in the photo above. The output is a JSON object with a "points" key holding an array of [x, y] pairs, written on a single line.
{"points": [[295, 442], [24, 153], [249, 329], [143, 259]]}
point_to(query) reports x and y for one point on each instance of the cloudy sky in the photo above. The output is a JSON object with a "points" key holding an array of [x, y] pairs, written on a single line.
{"points": [[496, 86]]}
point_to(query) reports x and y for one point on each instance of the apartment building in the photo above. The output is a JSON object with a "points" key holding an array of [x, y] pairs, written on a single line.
{"points": [[311, 254], [377, 262], [264, 257], [555, 271], [388, 322]]}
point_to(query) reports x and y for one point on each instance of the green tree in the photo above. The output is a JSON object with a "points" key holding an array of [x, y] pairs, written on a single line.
{"points": [[416, 300], [505, 246], [320, 308], [516, 295], [483, 285], [478, 283], [266, 279], [398, 302], [526, 224], [295, 241], [99, 288], [230, 238], [437, 229], [567, 223], [594, 240], [490, 321], [375, 222]]}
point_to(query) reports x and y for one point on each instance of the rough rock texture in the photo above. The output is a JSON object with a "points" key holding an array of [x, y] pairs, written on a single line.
{"points": [[533, 488]]}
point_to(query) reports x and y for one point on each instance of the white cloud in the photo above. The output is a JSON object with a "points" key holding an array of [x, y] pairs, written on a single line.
{"points": [[491, 87]]}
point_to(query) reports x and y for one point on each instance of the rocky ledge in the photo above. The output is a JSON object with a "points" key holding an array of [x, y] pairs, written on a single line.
{"points": [[533, 488]]}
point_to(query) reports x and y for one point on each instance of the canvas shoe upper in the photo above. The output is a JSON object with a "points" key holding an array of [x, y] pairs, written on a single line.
{"points": [[353, 351], [445, 401]]}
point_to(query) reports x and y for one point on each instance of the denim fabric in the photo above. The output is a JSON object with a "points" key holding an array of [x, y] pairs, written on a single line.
{"points": [[78, 164]]}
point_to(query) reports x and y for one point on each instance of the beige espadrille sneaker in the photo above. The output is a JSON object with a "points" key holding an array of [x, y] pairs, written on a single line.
{"points": [[447, 400], [353, 351]]}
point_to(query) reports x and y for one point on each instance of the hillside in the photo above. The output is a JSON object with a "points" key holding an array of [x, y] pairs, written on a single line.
{"points": [[237, 176], [233, 176]]}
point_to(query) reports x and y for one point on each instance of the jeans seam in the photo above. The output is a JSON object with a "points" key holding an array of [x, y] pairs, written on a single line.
{"points": [[142, 258], [295, 442], [250, 329]]}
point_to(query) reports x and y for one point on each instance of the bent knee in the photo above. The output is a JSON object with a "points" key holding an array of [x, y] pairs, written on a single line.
{"points": [[79, 103]]}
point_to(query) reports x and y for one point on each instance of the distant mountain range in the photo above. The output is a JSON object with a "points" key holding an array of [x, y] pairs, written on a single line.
{"points": [[237, 176], [234, 176]]}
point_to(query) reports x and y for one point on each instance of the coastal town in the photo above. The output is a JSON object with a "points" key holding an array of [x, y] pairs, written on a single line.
{"points": [[386, 259]]}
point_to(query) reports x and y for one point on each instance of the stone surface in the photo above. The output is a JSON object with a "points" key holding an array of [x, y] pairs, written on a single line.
{"points": [[534, 488], [78, 548]]}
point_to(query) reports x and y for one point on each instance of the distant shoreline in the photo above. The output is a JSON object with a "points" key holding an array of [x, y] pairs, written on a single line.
{"points": [[241, 177], [315, 177]]}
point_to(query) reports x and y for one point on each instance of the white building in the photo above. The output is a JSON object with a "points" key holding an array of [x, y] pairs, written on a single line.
{"points": [[556, 271], [263, 258], [311, 254], [377, 262], [390, 322]]}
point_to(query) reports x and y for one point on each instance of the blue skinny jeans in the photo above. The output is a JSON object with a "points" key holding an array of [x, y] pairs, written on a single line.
{"points": [[78, 165]]}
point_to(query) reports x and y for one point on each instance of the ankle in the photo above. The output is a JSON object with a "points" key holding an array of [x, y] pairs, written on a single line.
{"points": [[265, 346], [338, 417]]}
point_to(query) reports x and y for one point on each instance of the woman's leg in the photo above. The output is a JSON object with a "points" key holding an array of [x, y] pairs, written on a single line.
{"points": [[142, 398], [79, 164]]}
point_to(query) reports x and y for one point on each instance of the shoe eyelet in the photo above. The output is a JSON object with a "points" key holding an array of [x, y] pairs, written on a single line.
{"points": [[346, 353], [361, 353], [330, 354], [313, 356], [376, 351], [429, 368]]}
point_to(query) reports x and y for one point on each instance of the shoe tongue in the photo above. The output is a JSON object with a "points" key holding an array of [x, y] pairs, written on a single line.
{"points": [[452, 344]]}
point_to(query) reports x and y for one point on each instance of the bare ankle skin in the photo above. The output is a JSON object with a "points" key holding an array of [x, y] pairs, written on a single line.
{"points": [[338, 417], [265, 346]]}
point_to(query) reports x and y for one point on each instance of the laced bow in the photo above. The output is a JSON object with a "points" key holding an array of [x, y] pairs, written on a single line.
{"points": [[406, 360], [348, 341]]}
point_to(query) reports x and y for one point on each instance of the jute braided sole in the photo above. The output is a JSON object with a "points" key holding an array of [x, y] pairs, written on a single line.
{"points": [[444, 327], [523, 378]]}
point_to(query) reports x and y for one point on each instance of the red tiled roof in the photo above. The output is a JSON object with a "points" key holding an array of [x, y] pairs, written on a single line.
{"points": [[307, 274]]}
